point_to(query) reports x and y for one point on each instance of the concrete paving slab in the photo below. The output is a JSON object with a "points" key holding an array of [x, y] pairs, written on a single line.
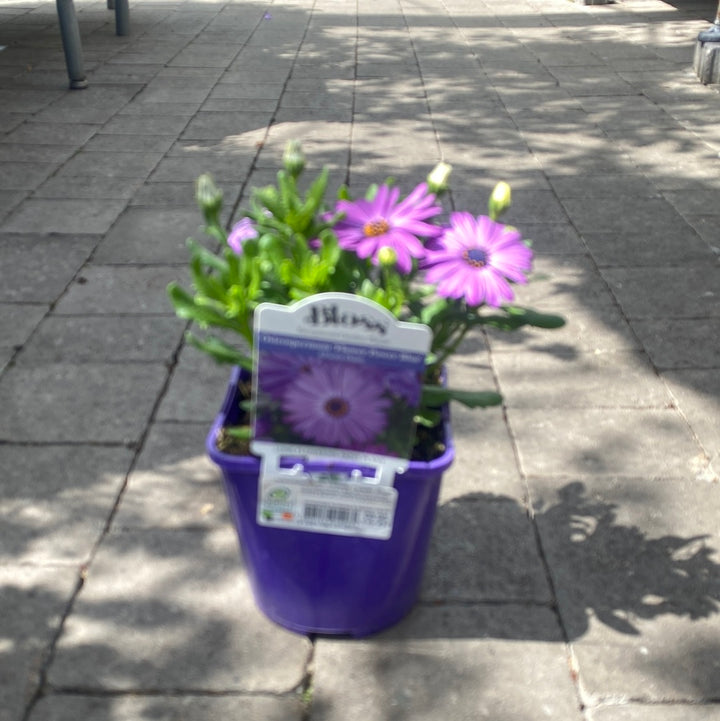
{"points": [[636, 576], [24, 175], [87, 187], [681, 247], [483, 548], [196, 389], [603, 186], [130, 290], [92, 402], [451, 666], [98, 105], [680, 343], [185, 162], [61, 707], [33, 601], [597, 330], [642, 292], [697, 394], [162, 611], [74, 217], [654, 216], [10, 199], [173, 483], [17, 322], [37, 269], [217, 125], [96, 339], [56, 500], [107, 164], [589, 380], [567, 285], [151, 235], [596, 441], [663, 712]]}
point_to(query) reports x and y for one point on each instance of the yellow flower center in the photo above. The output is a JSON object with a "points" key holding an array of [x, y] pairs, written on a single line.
{"points": [[373, 228]]}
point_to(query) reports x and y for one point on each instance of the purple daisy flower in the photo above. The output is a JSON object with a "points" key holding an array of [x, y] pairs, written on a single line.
{"points": [[369, 225], [404, 383], [276, 371], [475, 258], [243, 230], [337, 405]]}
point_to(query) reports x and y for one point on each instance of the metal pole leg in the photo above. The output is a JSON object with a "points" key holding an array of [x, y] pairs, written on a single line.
{"points": [[706, 62], [72, 46], [122, 17]]}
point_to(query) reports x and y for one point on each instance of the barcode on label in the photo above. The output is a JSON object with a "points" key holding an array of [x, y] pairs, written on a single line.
{"points": [[343, 516]]}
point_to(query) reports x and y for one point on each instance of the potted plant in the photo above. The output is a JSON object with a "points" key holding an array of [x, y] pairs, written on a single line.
{"points": [[353, 564]]}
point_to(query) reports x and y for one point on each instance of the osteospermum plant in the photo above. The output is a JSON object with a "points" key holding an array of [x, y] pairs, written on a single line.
{"points": [[389, 247]]}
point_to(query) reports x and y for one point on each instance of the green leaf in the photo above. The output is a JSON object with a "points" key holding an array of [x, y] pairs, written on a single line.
{"points": [[186, 307], [222, 352], [428, 418], [241, 432], [437, 395], [202, 255]]}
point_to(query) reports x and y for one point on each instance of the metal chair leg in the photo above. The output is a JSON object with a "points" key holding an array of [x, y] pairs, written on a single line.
{"points": [[70, 33]]}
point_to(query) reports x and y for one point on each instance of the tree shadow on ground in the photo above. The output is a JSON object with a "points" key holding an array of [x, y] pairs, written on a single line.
{"points": [[484, 550]]}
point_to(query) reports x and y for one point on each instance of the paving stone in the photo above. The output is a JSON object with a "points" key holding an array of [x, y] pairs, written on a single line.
{"points": [[37, 268], [680, 343], [217, 125], [82, 339], [98, 105], [637, 580], [56, 500], [24, 176], [621, 379], [655, 216], [25, 154], [151, 235], [162, 611], [484, 456], [606, 441], [185, 164], [552, 238], [684, 247], [10, 199], [196, 391], [560, 284], [697, 392], [129, 290], [155, 124], [17, 322], [483, 548], [60, 707], [595, 329], [32, 603], [642, 292], [106, 164], [173, 484], [41, 215], [95, 402], [604, 186], [120, 142], [87, 187], [664, 712], [451, 665]]}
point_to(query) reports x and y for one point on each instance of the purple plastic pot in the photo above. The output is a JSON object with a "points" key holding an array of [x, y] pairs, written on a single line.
{"points": [[330, 584]]}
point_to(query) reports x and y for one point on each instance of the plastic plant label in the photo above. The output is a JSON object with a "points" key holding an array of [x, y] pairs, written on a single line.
{"points": [[341, 508], [337, 379]]}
